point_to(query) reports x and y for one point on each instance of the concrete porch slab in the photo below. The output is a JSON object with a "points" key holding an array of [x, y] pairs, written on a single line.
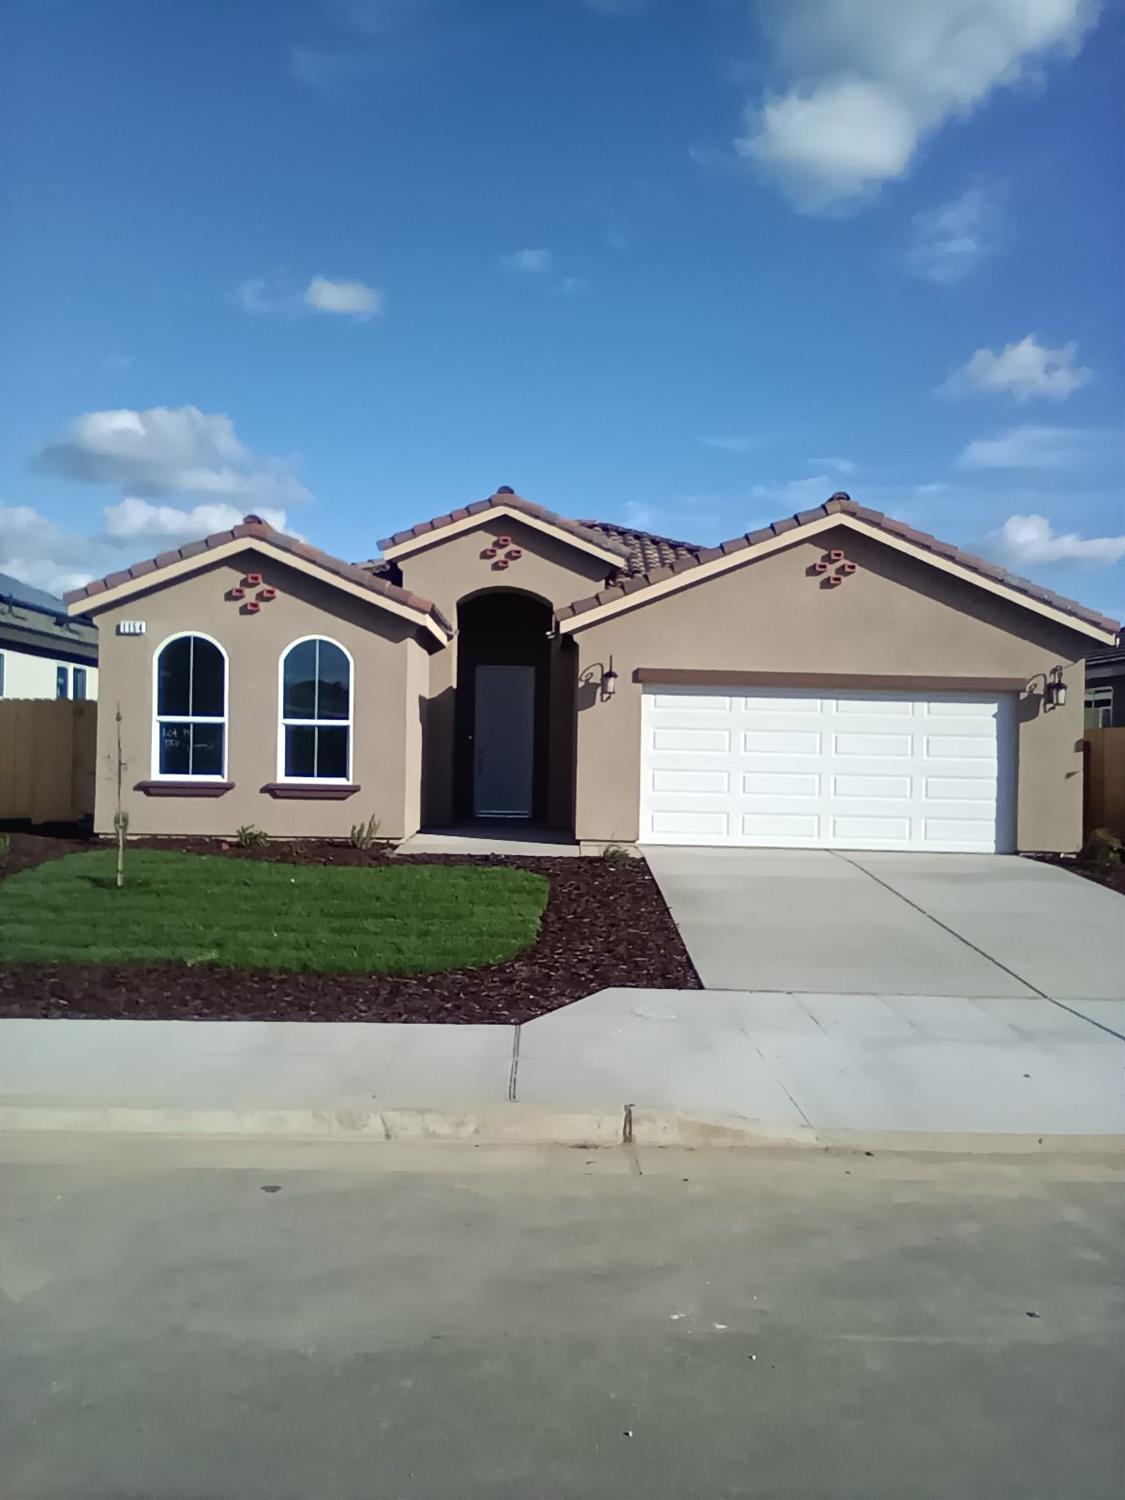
{"points": [[492, 838]]}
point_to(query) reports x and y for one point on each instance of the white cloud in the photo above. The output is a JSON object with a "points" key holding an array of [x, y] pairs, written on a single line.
{"points": [[571, 286], [835, 465], [796, 494], [1026, 540], [39, 552], [353, 298], [259, 294], [531, 262], [1022, 370], [953, 238], [36, 551], [1029, 447], [165, 452], [734, 442], [865, 81], [640, 516], [132, 517]]}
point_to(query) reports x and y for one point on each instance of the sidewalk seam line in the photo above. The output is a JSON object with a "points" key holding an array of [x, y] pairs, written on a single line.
{"points": [[772, 1071], [514, 1069]]}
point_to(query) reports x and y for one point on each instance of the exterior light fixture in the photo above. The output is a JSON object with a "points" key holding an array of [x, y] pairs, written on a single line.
{"points": [[1055, 694], [609, 682]]}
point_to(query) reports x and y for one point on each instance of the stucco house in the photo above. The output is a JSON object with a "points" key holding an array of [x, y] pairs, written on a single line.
{"points": [[44, 651], [835, 680]]}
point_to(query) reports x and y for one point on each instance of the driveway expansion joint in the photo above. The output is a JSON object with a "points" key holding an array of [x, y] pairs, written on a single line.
{"points": [[952, 931]]}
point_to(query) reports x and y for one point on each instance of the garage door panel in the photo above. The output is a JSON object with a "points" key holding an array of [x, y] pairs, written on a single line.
{"points": [[683, 779], [858, 784], [781, 742], [884, 707], [882, 745], [957, 832], [960, 747], [869, 827], [809, 770], [960, 708], [781, 825], [698, 703], [972, 788], [781, 784], [692, 740], [691, 826]]}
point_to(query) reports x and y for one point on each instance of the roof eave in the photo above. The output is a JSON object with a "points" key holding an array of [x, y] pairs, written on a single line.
{"points": [[619, 598], [424, 615]]}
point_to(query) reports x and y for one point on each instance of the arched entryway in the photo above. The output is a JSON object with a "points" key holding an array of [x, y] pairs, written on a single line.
{"points": [[502, 721]]}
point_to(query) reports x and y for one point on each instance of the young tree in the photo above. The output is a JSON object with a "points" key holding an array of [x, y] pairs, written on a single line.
{"points": [[120, 817]]}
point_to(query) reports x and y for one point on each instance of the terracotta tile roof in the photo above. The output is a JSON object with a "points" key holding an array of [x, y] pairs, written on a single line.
{"points": [[644, 551], [253, 529], [514, 502], [838, 504]]}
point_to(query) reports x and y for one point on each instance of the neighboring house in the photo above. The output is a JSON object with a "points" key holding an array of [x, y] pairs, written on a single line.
{"points": [[44, 652], [835, 680], [1105, 687]]}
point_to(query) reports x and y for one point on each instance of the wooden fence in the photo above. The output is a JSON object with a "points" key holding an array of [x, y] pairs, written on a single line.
{"points": [[47, 753], [1105, 780]]}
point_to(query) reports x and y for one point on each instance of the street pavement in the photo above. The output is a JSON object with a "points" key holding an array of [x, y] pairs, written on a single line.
{"points": [[270, 1321]]}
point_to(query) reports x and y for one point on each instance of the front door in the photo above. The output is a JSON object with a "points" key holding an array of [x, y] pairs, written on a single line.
{"points": [[503, 742]]}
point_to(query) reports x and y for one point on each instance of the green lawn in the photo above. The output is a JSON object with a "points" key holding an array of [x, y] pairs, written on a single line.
{"points": [[396, 919]]}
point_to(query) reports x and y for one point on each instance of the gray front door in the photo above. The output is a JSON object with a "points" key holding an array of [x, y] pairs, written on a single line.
{"points": [[503, 742]]}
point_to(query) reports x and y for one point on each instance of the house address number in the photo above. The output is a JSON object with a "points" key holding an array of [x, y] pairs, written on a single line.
{"points": [[130, 627]]}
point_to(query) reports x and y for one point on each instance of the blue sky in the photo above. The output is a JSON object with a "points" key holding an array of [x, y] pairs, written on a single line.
{"points": [[691, 266]]}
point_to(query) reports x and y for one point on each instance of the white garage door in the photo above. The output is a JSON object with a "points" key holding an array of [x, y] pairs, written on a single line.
{"points": [[796, 768]]}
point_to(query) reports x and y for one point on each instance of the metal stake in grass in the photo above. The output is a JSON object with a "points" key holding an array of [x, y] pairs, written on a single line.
{"points": [[120, 817]]}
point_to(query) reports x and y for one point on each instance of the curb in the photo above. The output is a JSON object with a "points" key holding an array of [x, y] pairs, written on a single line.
{"points": [[528, 1125]]}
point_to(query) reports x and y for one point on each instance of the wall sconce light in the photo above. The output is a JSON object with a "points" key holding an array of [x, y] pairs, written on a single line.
{"points": [[1054, 694], [609, 681]]}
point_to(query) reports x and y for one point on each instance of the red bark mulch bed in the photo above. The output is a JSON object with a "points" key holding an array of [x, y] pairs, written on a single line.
{"points": [[1112, 875], [605, 925]]}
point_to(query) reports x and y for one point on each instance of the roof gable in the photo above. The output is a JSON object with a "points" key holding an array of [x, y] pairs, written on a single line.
{"points": [[103, 592], [607, 548], [840, 510]]}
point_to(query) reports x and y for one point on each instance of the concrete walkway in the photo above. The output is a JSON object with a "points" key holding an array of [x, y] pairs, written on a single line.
{"points": [[974, 926], [674, 1067]]}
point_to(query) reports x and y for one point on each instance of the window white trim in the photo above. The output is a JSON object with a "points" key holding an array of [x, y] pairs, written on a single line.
{"points": [[158, 719], [283, 723]]}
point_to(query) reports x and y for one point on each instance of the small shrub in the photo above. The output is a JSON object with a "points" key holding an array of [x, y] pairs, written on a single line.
{"points": [[249, 837], [363, 835], [1102, 848], [616, 854]]}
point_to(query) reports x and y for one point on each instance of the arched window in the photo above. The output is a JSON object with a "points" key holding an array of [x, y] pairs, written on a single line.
{"points": [[316, 712], [190, 723]]}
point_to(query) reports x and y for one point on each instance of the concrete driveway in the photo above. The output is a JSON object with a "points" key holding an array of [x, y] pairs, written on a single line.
{"points": [[819, 921]]}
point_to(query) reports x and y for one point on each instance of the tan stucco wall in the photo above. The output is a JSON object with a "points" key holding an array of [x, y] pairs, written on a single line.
{"points": [[895, 615], [390, 674], [452, 569]]}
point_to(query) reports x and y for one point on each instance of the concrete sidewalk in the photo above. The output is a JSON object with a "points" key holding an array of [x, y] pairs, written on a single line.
{"points": [[657, 1066]]}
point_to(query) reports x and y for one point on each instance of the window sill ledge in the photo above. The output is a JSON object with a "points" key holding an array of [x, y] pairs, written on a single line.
{"points": [[311, 791], [187, 788]]}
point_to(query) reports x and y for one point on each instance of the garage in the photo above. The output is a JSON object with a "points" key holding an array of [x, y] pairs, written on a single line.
{"points": [[809, 769]]}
